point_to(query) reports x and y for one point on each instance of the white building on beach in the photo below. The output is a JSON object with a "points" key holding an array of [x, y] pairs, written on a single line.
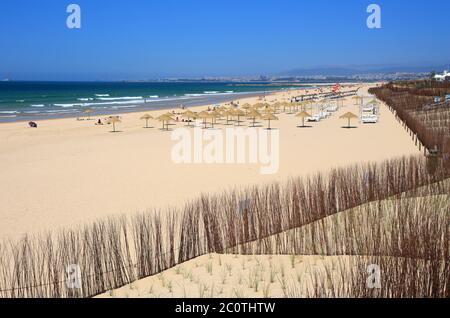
{"points": [[442, 77]]}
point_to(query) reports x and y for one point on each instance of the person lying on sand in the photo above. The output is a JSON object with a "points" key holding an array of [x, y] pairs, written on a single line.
{"points": [[32, 124]]}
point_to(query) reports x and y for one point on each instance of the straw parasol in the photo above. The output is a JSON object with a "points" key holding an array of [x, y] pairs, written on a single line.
{"points": [[114, 120], [266, 105], [284, 105], [165, 119], [246, 107], [227, 113], [357, 98], [277, 106], [253, 114], [215, 114], [303, 115], [269, 117], [258, 106], [348, 116], [146, 117], [188, 115], [238, 113], [295, 105], [304, 104], [88, 111], [290, 106], [204, 115]]}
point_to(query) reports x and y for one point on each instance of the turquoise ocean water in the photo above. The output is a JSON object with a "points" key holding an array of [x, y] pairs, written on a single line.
{"points": [[29, 100]]}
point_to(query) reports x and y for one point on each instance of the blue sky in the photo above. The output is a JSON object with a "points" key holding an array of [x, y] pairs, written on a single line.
{"points": [[140, 39]]}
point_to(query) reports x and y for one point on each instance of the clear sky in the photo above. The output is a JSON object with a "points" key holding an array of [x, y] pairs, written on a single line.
{"points": [[140, 39]]}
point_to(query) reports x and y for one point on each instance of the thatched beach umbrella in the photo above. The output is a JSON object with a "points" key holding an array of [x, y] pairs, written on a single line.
{"points": [[227, 113], [165, 119], [266, 105], [238, 113], [269, 117], [290, 106], [348, 116], [284, 105], [253, 114], [304, 104], [146, 117], [296, 105], [303, 115], [277, 106], [258, 106], [188, 115], [114, 120], [88, 111], [246, 107], [215, 114], [204, 115], [357, 98], [269, 110]]}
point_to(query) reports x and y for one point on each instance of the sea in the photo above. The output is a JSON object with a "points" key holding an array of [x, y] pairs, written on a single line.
{"points": [[43, 100]]}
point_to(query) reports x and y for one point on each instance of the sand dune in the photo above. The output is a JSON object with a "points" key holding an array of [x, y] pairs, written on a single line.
{"points": [[352, 236]]}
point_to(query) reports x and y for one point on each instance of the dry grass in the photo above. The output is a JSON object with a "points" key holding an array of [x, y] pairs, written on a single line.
{"points": [[116, 252]]}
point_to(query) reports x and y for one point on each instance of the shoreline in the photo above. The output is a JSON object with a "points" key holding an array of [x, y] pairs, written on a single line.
{"points": [[129, 109], [19, 114], [162, 105]]}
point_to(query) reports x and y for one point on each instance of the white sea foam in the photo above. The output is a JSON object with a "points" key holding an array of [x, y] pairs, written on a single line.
{"points": [[194, 95], [210, 93], [66, 105], [120, 98], [153, 96], [139, 101], [8, 112], [38, 105], [119, 107], [102, 95], [59, 111], [85, 99]]}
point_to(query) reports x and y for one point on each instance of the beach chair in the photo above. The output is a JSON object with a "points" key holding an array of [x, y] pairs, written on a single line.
{"points": [[369, 119], [314, 118]]}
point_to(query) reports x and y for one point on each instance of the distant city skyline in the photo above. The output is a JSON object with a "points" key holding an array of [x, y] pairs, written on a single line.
{"points": [[148, 40]]}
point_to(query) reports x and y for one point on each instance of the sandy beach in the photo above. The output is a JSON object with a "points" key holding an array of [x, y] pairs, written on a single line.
{"points": [[70, 172], [159, 150]]}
